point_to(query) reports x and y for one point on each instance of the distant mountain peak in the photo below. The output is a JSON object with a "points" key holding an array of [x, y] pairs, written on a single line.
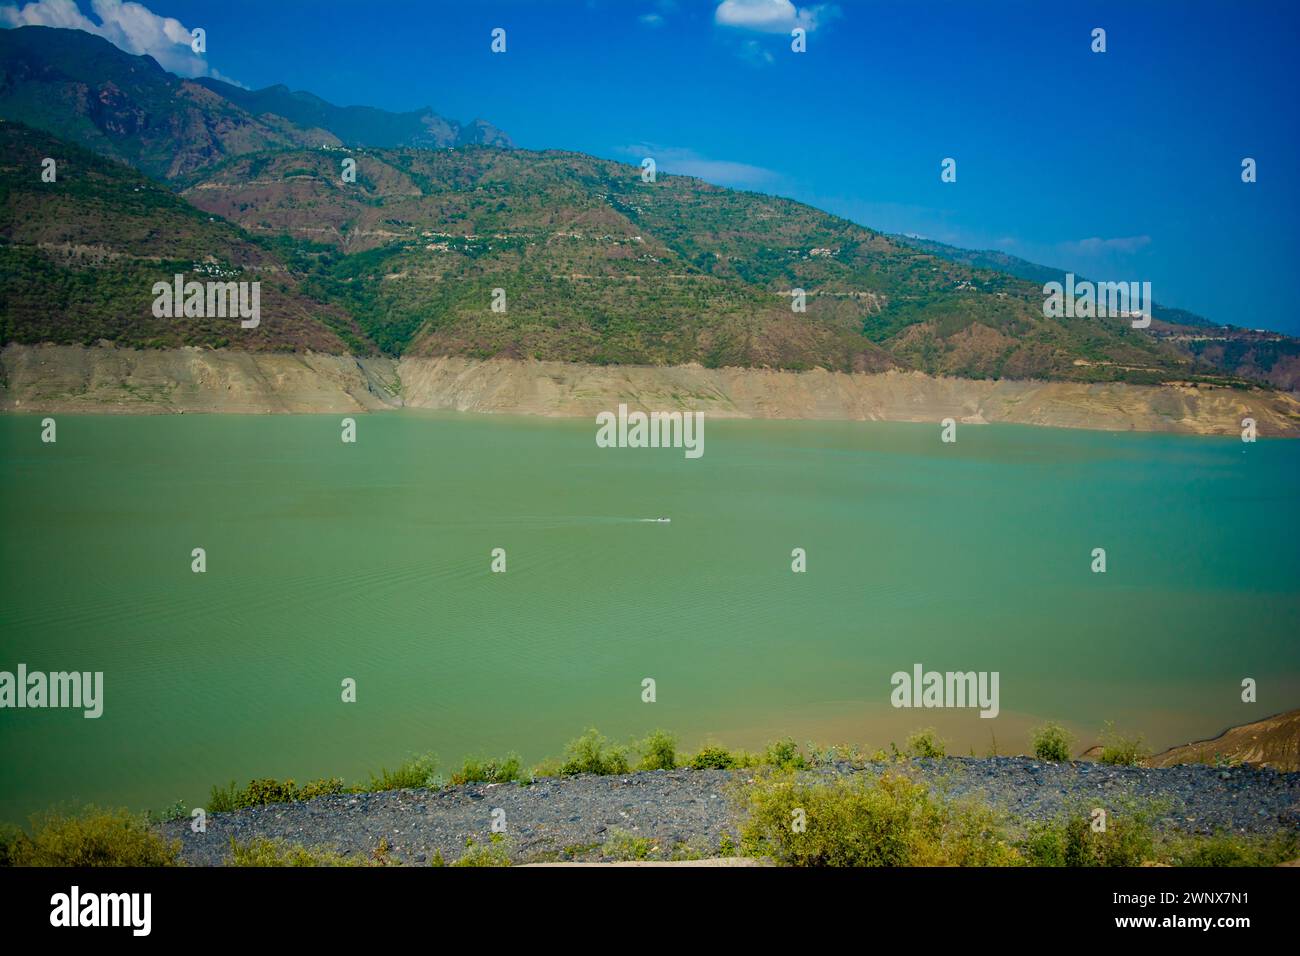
{"points": [[84, 89]]}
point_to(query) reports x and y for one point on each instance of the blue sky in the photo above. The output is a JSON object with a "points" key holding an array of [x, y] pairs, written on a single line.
{"points": [[1119, 165]]}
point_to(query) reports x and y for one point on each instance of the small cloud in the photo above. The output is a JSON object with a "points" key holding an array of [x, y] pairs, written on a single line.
{"points": [[771, 16], [650, 20], [1096, 246], [753, 52], [132, 27], [686, 162]]}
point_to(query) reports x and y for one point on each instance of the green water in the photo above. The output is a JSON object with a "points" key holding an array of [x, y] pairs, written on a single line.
{"points": [[371, 561]]}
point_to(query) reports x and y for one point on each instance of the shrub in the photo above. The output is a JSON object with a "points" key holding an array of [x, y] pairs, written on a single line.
{"points": [[1228, 849], [261, 851], [414, 773], [658, 751], [785, 755], [10, 836], [592, 753], [1052, 742], [321, 788], [858, 822], [925, 743], [1128, 840], [177, 811], [624, 846], [476, 770], [94, 837], [712, 757], [260, 793], [493, 853], [1120, 750]]}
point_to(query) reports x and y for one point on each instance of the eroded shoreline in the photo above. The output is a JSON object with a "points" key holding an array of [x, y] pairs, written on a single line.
{"points": [[109, 380]]}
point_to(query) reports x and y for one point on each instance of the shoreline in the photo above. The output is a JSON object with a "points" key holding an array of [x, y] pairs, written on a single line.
{"points": [[108, 380], [578, 818]]}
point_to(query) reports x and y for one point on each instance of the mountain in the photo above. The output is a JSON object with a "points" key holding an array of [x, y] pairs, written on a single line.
{"points": [[599, 267], [84, 89], [594, 265], [360, 125], [80, 257], [1031, 271], [1256, 354]]}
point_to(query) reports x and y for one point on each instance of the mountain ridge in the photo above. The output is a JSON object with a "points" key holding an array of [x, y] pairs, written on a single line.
{"points": [[597, 266]]}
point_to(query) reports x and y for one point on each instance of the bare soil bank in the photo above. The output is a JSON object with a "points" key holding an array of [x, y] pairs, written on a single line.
{"points": [[51, 378]]}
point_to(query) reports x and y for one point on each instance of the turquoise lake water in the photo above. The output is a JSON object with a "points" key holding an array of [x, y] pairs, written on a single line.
{"points": [[371, 561]]}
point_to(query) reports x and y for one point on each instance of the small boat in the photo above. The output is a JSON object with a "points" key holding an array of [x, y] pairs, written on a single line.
{"points": [[663, 520]]}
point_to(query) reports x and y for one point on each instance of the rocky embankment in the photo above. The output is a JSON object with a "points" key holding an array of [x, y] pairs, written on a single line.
{"points": [[564, 818], [77, 379]]}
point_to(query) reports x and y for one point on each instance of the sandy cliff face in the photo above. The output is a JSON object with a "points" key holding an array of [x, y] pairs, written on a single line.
{"points": [[69, 378], [554, 388], [107, 379]]}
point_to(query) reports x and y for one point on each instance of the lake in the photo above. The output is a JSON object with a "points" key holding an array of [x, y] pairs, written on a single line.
{"points": [[372, 561]]}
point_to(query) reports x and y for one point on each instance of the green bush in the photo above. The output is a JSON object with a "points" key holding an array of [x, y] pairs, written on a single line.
{"points": [[261, 851], [260, 793], [1120, 750], [1052, 742], [858, 822], [712, 757], [1127, 840], [476, 770], [785, 755], [415, 773], [93, 837], [493, 853], [658, 751], [10, 835], [925, 743], [1229, 849], [625, 846], [592, 753]]}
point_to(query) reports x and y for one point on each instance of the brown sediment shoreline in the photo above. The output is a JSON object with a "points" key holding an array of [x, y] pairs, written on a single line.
{"points": [[109, 380]]}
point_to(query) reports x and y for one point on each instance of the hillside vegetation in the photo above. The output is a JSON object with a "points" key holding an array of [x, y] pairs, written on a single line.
{"points": [[594, 265]]}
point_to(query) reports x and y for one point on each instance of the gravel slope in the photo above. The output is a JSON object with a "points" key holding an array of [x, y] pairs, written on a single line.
{"points": [[567, 818]]}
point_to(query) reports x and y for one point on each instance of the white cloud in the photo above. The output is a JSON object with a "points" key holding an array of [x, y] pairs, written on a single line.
{"points": [[132, 27], [687, 162], [771, 16], [752, 51], [651, 20]]}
